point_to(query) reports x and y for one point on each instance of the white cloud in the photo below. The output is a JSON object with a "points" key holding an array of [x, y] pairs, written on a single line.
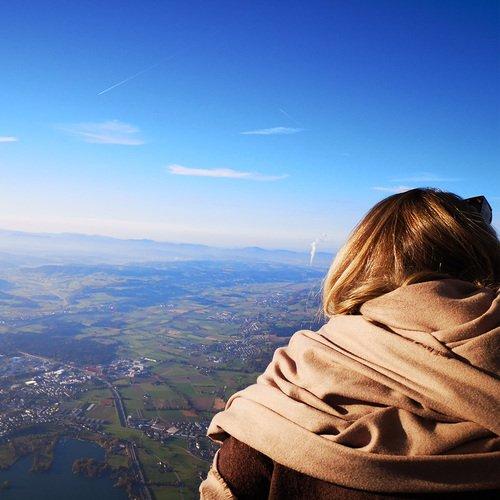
{"points": [[273, 131], [8, 138], [392, 189], [425, 177], [108, 132], [227, 173]]}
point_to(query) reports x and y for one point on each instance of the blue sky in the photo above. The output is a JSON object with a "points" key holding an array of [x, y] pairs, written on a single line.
{"points": [[241, 123]]}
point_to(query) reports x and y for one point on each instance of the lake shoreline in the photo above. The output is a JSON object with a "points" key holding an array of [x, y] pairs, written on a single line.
{"points": [[56, 481]]}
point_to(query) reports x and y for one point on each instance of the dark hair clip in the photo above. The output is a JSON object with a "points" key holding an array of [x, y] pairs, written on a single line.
{"points": [[480, 203]]}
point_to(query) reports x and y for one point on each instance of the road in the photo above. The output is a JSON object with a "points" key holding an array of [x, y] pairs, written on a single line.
{"points": [[144, 492], [120, 409]]}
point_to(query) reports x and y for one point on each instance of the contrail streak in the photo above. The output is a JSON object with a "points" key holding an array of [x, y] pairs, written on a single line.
{"points": [[128, 79], [133, 76], [283, 112]]}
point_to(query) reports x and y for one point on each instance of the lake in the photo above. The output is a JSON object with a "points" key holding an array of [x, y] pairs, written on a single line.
{"points": [[60, 483]]}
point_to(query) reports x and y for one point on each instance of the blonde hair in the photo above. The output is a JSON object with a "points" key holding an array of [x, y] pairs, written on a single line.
{"points": [[419, 235]]}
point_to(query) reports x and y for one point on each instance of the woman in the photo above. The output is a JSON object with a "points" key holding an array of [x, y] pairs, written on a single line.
{"points": [[397, 395]]}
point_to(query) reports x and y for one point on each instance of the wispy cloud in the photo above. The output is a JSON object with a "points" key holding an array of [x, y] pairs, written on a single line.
{"points": [[227, 173], [273, 131], [392, 189], [425, 177], [108, 132], [8, 138]]}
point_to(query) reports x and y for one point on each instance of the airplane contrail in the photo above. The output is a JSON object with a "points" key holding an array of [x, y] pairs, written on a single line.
{"points": [[283, 112], [135, 75]]}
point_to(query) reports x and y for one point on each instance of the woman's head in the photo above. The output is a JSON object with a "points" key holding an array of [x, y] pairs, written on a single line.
{"points": [[418, 235]]}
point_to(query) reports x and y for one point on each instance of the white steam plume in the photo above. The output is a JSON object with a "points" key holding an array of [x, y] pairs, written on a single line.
{"points": [[314, 246]]}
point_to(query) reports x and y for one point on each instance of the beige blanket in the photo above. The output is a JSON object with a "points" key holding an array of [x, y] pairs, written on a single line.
{"points": [[401, 398]]}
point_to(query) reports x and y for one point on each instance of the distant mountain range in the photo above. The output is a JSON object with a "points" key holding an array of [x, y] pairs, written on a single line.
{"points": [[21, 248]]}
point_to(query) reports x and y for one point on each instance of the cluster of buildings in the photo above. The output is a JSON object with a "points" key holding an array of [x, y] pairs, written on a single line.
{"points": [[273, 300], [225, 317], [274, 309], [194, 431], [123, 368], [247, 326], [12, 367], [244, 350], [32, 394], [79, 416], [11, 421]]}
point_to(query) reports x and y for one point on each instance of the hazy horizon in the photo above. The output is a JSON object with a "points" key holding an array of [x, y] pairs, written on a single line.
{"points": [[322, 246], [20, 248], [300, 249]]}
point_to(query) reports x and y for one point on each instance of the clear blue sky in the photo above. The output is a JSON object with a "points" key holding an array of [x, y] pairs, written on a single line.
{"points": [[241, 123]]}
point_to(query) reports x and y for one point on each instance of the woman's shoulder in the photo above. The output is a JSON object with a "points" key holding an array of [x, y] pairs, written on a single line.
{"points": [[246, 471]]}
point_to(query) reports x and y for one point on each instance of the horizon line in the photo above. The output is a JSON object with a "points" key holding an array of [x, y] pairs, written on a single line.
{"points": [[100, 235]]}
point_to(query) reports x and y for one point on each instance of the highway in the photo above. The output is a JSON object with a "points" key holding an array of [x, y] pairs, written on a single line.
{"points": [[144, 492], [120, 410]]}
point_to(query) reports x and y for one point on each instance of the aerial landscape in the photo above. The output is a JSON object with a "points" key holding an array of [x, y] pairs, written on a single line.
{"points": [[136, 358], [176, 179]]}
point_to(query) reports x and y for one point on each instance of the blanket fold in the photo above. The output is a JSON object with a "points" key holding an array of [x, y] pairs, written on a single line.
{"points": [[403, 397]]}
